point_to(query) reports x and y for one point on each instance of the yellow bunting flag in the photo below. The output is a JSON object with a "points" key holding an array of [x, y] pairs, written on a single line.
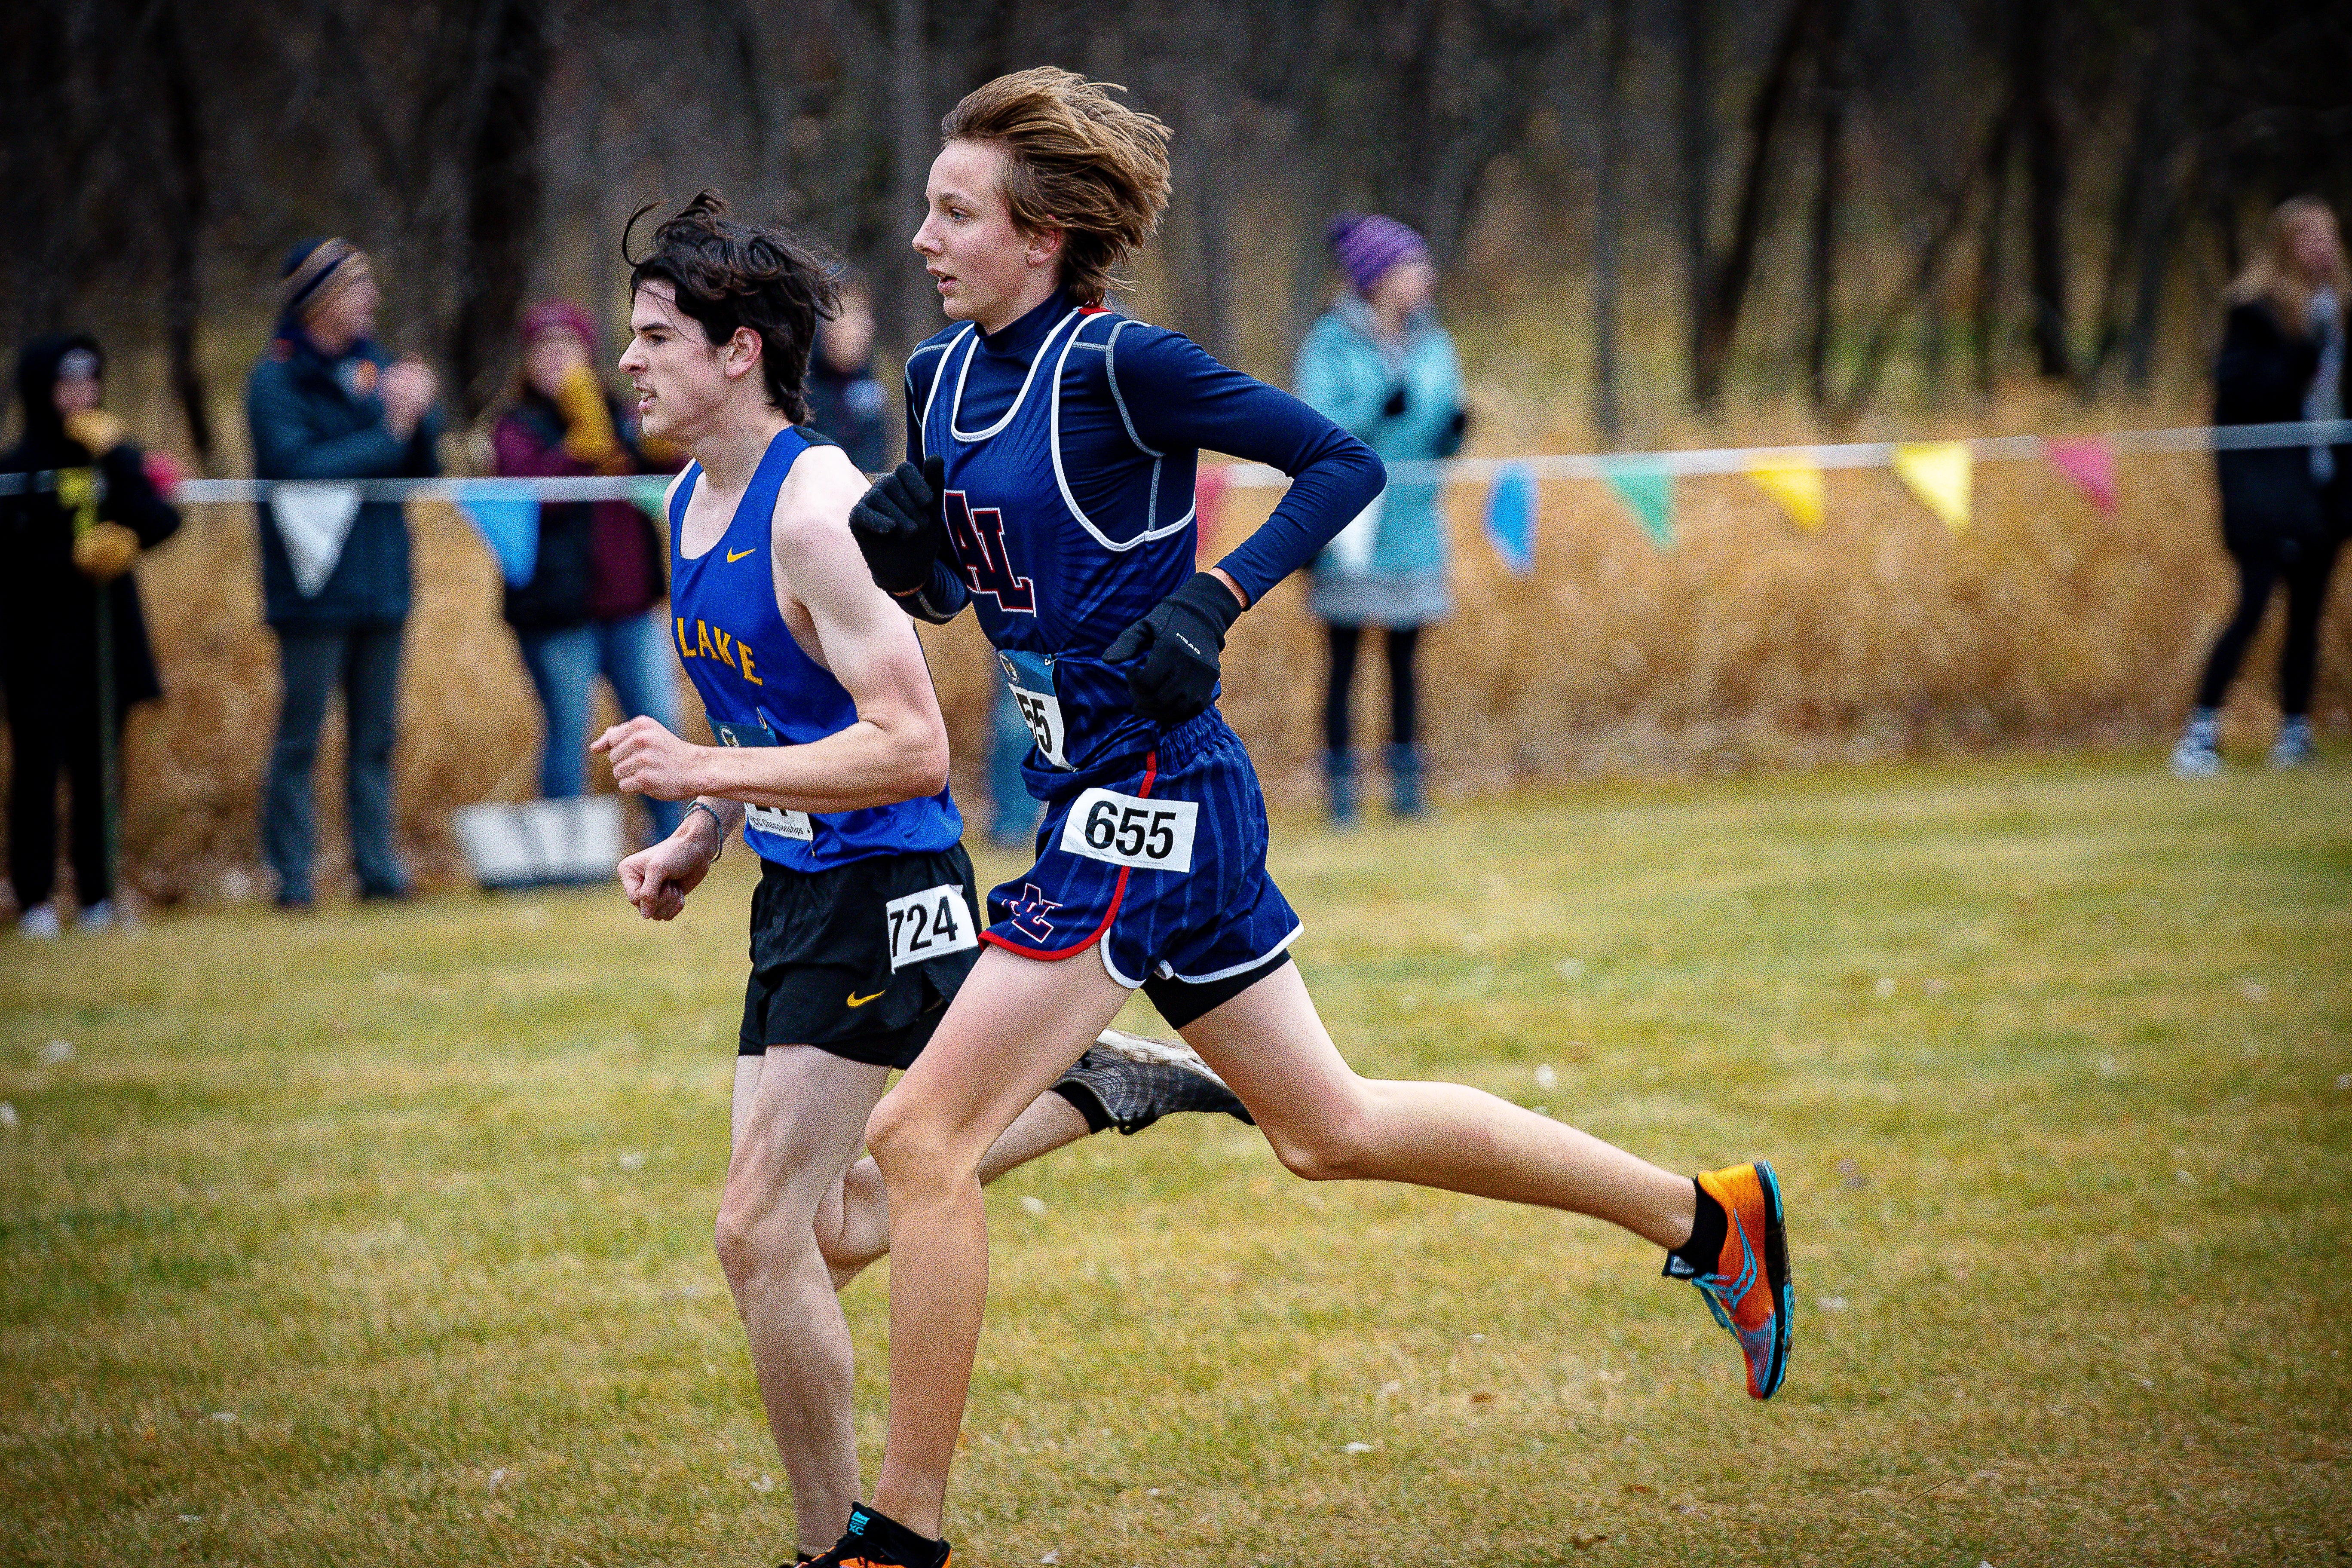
{"points": [[1798, 487], [1939, 473]]}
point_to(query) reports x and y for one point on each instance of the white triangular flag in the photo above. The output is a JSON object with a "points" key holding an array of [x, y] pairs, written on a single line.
{"points": [[1350, 553], [314, 519]]}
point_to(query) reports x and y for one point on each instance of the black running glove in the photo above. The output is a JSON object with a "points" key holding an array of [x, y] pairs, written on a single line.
{"points": [[900, 526], [1174, 650]]}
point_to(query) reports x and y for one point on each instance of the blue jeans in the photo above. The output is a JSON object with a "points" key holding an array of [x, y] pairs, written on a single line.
{"points": [[1013, 812], [365, 662], [634, 655]]}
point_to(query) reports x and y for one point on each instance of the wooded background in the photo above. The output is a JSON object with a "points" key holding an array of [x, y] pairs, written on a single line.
{"points": [[1716, 199]]}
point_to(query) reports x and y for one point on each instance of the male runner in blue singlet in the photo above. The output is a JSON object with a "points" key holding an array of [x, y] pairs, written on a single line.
{"points": [[1052, 450], [834, 762]]}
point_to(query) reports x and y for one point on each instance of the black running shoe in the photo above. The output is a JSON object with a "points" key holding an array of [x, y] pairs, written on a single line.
{"points": [[878, 1541], [1129, 1082]]}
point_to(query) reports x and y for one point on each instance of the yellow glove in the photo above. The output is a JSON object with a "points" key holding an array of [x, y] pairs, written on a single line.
{"points": [[588, 434], [106, 551], [97, 431]]}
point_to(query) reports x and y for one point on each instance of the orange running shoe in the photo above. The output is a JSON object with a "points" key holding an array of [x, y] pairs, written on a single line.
{"points": [[1749, 1292]]}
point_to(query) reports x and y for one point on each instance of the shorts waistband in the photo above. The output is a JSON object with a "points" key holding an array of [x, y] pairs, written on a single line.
{"points": [[1196, 738]]}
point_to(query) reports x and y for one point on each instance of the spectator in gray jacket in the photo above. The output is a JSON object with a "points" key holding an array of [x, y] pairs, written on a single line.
{"points": [[326, 403]]}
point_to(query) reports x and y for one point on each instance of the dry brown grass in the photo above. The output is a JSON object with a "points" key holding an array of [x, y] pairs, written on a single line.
{"points": [[1749, 644]]}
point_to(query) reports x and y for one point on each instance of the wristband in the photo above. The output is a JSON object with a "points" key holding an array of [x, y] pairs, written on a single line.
{"points": [[704, 807]]}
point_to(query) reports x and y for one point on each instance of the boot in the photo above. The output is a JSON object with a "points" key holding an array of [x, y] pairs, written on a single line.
{"points": [[1404, 782], [1339, 780]]}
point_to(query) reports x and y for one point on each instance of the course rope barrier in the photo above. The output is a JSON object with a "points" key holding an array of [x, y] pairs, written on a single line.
{"points": [[1678, 463]]}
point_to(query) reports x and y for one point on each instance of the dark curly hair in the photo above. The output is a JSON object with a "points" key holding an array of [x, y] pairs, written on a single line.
{"points": [[728, 274]]}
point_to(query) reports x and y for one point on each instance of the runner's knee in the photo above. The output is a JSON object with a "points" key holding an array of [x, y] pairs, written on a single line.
{"points": [[758, 1219], [1332, 1144], [913, 1144]]}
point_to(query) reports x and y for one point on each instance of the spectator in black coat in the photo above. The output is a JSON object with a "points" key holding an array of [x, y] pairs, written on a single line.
{"points": [[2283, 508], [76, 509], [845, 400], [325, 402]]}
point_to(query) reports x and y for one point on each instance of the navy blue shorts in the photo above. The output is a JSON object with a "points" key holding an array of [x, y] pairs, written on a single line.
{"points": [[1160, 860]]}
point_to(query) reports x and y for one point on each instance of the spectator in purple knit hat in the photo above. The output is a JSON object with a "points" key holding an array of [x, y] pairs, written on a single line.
{"points": [[1378, 364]]}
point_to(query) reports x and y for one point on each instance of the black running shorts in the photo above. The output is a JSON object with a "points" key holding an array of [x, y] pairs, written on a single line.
{"points": [[859, 960]]}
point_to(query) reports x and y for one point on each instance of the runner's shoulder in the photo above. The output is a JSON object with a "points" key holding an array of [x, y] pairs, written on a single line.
{"points": [[923, 364]]}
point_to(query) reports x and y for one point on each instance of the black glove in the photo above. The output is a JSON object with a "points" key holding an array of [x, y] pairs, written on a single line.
{"points": [[1397, 404], [1449, 440], [900, 526], [1175, 648]]}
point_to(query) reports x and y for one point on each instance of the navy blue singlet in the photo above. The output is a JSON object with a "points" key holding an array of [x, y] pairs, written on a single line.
{"points": [[760, 689]]}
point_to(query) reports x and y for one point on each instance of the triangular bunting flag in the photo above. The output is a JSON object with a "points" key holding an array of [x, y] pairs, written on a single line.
{"points": [[1798, 487], [1647, 488], [508, 520], [314, 519], [1208, 496], [2090, 462], [1940, 474], [1511, 518]]}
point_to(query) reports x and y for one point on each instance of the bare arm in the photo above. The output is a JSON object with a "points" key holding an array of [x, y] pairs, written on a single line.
{"points": [[898, 747]]}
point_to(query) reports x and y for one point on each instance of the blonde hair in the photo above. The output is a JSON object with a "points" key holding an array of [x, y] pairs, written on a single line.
{"points": [[1077, 160], [2272, 277]]}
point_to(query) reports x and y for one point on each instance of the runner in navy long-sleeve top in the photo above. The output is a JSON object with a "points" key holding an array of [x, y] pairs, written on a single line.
{"points": [[1052, 446]]}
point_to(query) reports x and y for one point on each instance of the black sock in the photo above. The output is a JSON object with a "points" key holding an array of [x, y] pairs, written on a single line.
{"points": [[1703, 1250], [1087, 1103], [886, 1535]]}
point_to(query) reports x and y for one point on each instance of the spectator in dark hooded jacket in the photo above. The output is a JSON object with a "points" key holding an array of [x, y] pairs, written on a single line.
{"points": [[76, 509], [326, 403]]}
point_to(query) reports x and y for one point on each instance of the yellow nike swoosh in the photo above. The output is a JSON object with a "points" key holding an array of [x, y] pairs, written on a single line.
{"points": [[735, 556], [857, 1001]]}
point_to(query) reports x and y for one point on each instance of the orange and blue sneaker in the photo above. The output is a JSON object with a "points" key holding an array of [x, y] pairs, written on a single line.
{"points": [[1748, 1289]]}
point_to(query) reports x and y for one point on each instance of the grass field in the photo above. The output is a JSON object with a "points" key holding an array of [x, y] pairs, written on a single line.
{"points": [[383, 1236]]}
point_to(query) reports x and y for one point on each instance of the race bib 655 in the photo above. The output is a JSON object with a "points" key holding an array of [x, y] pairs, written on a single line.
{"points": [[1128, 830]]}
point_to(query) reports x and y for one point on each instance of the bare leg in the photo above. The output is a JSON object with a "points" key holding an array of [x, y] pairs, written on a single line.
{"points": [[1012, 1029], [931, 1133], [799, 1113], [1326, 1124], [854, 1226]]}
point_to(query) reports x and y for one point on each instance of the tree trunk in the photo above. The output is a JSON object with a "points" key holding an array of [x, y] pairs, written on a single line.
{"points": [[913, 141], [1201, 150], [1989, 279], [1727, 280], [1607, 216], [2045, 183], [1697, 149], [1820, 264], [2158, 204], [505, 183], [191, 207]]}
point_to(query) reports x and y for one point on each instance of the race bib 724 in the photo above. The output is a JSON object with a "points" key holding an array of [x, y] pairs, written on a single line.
{"points": [[930, 924], [1127, 830]]}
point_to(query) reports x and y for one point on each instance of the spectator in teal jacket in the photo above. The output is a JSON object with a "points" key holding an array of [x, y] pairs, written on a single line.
{"points": [[326, 403], [1378, 365]]}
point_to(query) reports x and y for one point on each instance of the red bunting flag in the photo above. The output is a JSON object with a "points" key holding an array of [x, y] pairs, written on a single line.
{"points": [[2090, 462], [1208, 495]]}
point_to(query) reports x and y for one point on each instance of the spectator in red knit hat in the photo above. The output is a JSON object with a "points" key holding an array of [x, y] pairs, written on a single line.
{"points": [[594, 604]]}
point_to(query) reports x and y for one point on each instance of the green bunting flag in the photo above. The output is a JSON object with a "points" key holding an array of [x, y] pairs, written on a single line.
{"points": [[1647, 488]]}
